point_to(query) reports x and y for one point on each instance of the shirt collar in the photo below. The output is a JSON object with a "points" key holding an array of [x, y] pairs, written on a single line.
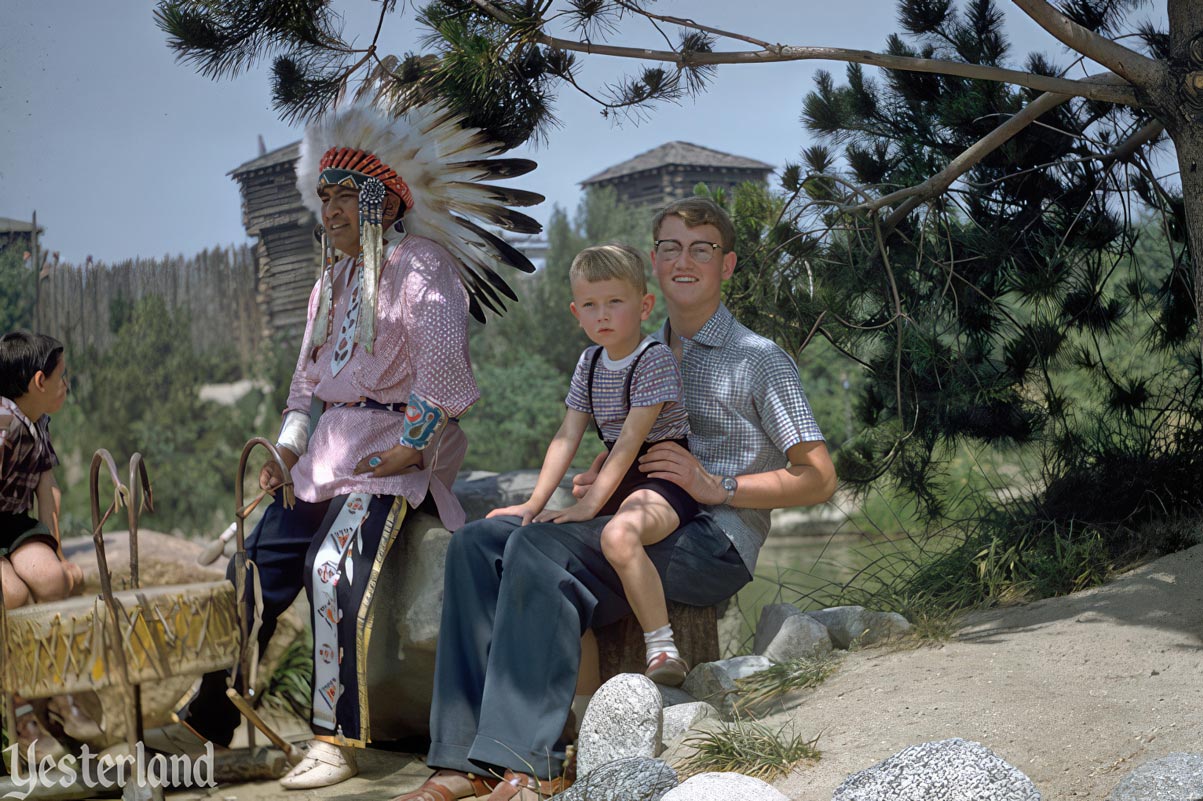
{"points": [[712, 334], [11, 405], [342, 269]]}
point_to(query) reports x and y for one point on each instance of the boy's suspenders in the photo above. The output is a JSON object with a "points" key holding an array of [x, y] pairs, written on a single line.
{"points": [[626, 389]]}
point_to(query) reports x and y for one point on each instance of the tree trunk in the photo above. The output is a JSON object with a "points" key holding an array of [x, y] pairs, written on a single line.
{"points": [[1182, 102]]}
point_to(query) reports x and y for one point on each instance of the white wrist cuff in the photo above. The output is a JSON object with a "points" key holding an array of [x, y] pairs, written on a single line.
{"points": [[294, 433]]}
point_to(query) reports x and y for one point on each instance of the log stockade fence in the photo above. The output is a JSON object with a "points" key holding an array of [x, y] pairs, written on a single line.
{"points": [[216, 287]]}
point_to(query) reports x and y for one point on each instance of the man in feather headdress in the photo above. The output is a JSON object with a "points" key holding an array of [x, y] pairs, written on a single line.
{"points": [[384, 361]]}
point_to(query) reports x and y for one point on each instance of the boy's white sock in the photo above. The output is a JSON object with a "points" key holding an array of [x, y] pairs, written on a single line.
{"points": [[661, 641]]}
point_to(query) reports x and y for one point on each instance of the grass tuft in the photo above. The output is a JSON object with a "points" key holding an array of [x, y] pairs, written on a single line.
{"points": [[289, 688], [750, 748], [760, 689]]}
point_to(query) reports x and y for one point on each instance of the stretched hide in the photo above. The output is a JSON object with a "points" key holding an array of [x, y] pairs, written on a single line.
{"points": [[181, 630]]}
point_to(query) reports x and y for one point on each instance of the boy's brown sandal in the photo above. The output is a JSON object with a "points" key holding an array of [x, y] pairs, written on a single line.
{"points": [[432, 790]]}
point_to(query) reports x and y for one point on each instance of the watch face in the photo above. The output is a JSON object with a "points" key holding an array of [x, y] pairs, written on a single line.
{"points": [[729, 484]]}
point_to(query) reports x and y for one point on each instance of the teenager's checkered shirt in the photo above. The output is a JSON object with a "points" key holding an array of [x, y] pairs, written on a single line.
{"points": [[746, 409]]}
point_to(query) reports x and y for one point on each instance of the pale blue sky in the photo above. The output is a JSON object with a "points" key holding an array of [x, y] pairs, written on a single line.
{"points": [[123, 152]]}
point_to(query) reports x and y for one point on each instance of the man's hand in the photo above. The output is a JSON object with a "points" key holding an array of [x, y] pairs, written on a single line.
{"points": [[670, 461], [576, 513], [270, 476], [523, 510], [396, 459]]}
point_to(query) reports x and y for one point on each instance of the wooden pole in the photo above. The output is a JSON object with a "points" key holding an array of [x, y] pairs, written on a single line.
{"points": [[37, 271]]}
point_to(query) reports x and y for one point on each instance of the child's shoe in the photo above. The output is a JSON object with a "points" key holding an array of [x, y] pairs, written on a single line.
{"points": [[32, 738], [77, 724], [667, 670]]}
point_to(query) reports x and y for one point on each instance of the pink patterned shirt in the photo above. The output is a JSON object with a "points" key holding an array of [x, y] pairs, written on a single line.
{"points": [[422, 347]]}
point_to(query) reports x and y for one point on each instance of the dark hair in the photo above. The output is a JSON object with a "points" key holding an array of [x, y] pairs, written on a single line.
{"points": [[22, 355]]}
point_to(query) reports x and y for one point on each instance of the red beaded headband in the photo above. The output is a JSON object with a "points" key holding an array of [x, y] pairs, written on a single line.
{"points": [[345, 163]]}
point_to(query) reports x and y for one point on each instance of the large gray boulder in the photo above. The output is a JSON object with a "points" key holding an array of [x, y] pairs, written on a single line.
{"points": [[1174, 777], [944, 770], [641, 778], [481, 492], [723, 787], [678, 720], [848, 625], [740, 667], [709, 682], [785, 633], [624, 719]]}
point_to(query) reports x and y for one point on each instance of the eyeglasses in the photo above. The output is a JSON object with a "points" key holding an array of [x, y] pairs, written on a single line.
{"points": [[701, 252]]}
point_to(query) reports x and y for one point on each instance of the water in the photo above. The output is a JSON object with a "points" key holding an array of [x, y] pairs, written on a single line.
{"points": [[812, 572]]}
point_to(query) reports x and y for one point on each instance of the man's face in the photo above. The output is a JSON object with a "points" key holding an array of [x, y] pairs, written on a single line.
{"points": [[685, 281], [340, 217]]}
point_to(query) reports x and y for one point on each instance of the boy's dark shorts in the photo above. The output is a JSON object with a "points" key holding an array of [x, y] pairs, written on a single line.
{"points": [[17, 529], [680, 500]]}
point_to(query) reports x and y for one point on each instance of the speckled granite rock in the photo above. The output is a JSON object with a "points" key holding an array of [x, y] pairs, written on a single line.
{"points": [[1174, 777], [944, 770]]}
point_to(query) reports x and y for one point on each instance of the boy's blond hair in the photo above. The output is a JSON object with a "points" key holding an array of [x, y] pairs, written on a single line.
{"points": [[695, 211], [603, 262]]}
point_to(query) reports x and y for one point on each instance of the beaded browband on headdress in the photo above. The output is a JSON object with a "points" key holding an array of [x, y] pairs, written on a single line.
{"points": [[344, 166]]}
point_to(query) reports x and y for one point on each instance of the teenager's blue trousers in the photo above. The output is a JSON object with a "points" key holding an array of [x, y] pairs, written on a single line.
{"points": [[516, 602]]}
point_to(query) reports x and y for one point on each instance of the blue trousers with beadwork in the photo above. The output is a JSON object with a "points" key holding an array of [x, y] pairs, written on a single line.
{"points": [[517, 600], [283, 546]]}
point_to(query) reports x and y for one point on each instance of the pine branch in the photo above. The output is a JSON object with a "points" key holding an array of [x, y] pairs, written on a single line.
{"points": [[1133, 67], [1108, 92]]}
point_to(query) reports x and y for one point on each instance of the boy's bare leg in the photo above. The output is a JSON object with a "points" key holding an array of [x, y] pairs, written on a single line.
{"points": [[643, 518], [16, 594], [39, 567]]}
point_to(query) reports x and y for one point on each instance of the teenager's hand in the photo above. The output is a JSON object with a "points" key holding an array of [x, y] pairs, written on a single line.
{"points": [[523, 510], [581, 482], [669, 461], [396, 459], [576, 513], [270, 476]]}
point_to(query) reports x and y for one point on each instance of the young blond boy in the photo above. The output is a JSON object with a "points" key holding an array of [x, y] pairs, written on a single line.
{"points": [[630, 386]]}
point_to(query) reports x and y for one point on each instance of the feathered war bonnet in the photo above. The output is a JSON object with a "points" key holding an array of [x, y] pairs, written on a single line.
{"points": [[428, 159]]}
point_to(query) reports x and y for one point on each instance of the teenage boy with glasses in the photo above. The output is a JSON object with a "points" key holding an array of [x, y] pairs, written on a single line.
{"points": [[520, 598]]}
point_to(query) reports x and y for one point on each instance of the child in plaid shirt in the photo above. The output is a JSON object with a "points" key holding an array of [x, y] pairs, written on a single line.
{"points": [[630, 386], [33, 386]]}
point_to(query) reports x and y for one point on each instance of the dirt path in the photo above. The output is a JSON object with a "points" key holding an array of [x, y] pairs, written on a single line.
{"points": [[1075, 691]]}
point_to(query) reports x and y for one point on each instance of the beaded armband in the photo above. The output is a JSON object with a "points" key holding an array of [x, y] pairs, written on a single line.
{"points": [[423, 420]]}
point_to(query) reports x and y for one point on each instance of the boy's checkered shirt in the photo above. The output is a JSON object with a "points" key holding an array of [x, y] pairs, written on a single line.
{"points": [[25, 453]]}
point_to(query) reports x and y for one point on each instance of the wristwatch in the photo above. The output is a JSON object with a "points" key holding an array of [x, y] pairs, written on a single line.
{"points": [[730, 485]]}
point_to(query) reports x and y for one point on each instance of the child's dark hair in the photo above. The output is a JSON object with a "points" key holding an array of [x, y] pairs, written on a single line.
{"points": [[22, 355]]}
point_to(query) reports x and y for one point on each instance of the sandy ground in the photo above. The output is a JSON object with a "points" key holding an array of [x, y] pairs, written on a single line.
{"points": [[1075, 691]]}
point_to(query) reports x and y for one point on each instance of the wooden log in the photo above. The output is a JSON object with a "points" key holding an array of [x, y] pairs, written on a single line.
{"points": [[620, 645]]}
